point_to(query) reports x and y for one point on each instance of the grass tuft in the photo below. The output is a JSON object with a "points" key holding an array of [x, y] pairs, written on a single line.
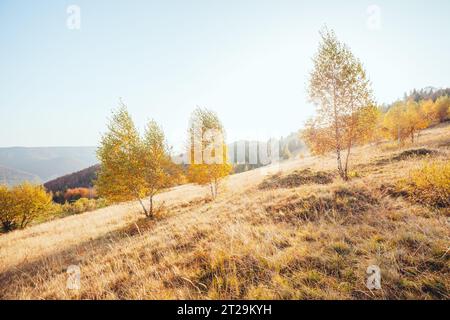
{"points": [[342, 202], [297, 179]]}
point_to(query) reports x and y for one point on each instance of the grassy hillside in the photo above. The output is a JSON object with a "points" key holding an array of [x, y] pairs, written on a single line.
{"points": [[300, 234]]}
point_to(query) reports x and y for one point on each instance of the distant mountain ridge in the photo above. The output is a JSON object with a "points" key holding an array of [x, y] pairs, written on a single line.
{"points": [[12, 177], [60, 168], [41, 164], [289, 146]]}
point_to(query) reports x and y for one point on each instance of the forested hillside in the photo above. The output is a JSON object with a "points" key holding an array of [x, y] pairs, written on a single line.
{"points": [[81, 179]]}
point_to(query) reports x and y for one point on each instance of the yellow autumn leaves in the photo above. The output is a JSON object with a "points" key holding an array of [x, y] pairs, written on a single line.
{"points": [[22, 204], [138, 167], [346, 112]]}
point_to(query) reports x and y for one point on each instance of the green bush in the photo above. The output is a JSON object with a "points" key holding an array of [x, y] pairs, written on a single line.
{"points": [[84, 205]]}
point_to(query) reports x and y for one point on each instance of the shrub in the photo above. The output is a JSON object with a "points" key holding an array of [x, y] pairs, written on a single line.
{"points": [[429, 184], [7, 215], [84, 205], [72, 195], [101, 203], [22, 204]]}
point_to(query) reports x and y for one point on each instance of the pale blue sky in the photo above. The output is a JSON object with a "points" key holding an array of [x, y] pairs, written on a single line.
{"points": [[247, 60]]}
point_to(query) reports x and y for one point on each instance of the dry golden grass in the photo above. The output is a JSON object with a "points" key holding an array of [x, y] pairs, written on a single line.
{"points": [[308, 241]]}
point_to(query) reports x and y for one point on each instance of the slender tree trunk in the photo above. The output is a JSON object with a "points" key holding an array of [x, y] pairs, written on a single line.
{"points": [[338, 157], [216, 187], [24, 222], [212, 189], [143, 207], [151, 206], [349, 148], [136, 194], [337, 137], [338, 153], [350, 140]]}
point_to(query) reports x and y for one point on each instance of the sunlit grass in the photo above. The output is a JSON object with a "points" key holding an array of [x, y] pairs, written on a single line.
{"points": [[251, 243]]}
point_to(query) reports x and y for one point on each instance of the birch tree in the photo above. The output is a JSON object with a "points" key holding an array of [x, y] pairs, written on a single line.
{"points": [[339, 88], [133, 168], [207, 150]]}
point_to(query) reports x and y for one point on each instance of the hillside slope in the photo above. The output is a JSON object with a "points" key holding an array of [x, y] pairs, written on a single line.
{"points": [[12, 177], [46, 163], [309, 236], [80, 179]]}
